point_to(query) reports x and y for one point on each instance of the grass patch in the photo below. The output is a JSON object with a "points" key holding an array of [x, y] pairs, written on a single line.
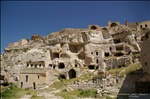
{"points": [[63, 82], [87, 93], [77, 94], [13, 92], [34, 96], [125, 70]]}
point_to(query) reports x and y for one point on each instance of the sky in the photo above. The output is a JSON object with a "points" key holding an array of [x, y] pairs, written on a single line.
{"points": [[22, 19]]}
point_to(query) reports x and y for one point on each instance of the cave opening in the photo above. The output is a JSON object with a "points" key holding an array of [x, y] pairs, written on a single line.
{"points": [[91, 67], [61, 65], [72, 74]]}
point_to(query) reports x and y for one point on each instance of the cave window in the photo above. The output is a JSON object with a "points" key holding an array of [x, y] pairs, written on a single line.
{"points": [[145, 63], [118, 48], [146, 36], [114, 24], [27, 65], [96, 60], [117, 41], [39, 65], [76, 65], [106, 54], [62, 44], [61, 65], [110, 48], [145, 25], [141, 26], [81, 56], [91, 67], [26, 78], [54, 67], [35, 65], [38, 77], [55, 55], [96, 53], [93, 27], [72, 74], [31, 65], [1, 77], [96, 67], [63, 76], [50, 65], [91, 52], [21, 84], [119, 66], [119, 54]]}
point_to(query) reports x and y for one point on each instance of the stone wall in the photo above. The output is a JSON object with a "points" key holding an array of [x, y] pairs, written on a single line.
{"points": [[145, 53]]}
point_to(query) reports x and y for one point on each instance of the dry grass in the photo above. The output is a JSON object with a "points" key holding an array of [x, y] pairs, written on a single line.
{"points": [[125, 70]]}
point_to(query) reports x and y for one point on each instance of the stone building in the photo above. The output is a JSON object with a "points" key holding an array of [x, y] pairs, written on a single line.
{"points": [[36, 78], [143, 84], [143, 25], [145, 53]]}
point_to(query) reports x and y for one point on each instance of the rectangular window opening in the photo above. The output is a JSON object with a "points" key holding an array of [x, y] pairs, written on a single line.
{"points": [[145, 63], [26, 78]]}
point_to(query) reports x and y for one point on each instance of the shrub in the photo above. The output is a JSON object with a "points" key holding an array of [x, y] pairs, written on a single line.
{"points": [[64, 90], [34, 96], [87, 93], [10, 92]]}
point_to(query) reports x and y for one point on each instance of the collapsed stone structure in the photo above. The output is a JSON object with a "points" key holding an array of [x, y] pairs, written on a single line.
{"points": [[73, 52], [145, 53], [143, 84]]}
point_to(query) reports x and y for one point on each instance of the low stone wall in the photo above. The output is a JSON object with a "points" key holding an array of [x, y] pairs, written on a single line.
{"points": [[95, 83]]}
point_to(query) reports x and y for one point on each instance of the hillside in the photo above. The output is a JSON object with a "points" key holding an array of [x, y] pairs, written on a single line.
{"points": [[41, 61]]}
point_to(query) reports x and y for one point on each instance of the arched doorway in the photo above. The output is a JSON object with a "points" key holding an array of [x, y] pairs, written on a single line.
{"points": [[72, 74]]}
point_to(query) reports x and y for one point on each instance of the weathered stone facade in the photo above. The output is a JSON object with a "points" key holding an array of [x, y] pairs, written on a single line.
{"points": [[145, 53], [36, 78], [72, 52]]}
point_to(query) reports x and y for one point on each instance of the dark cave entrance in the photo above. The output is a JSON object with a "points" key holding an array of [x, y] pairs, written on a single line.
{"points": [[72, 74]]}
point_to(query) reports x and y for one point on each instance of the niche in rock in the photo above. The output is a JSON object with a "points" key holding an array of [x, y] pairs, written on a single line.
{"points": [[91, 67], [119, 54], [75, 48], [119, 48], [63, 76], [117, 41], [61, 65], [93, 27], [114, 24], [55, 55], [72, 74]]}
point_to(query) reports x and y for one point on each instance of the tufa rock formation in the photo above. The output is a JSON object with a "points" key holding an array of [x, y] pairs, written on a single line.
{"points": [[70, 52]]}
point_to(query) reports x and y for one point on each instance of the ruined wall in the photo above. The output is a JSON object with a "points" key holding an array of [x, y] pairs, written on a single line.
{"points": [[145, 53], [143, 25]]}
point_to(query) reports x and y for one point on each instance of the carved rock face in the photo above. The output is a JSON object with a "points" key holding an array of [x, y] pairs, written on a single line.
{"points": [[76, 48]]}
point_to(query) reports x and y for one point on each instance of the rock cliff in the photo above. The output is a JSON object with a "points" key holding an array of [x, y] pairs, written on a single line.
{"points": [[93, 48]]}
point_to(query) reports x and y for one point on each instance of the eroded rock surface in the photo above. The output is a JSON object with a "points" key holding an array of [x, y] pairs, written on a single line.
{"points": [[69, 50]]}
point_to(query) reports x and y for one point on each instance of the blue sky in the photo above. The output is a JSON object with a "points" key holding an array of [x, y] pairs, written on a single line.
{"points": [[22, 19]]}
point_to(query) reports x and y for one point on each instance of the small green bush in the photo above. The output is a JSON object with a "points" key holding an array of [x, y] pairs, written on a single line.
{"points": [[87, 93], [11, 92], [64, 90], [34, 96]]}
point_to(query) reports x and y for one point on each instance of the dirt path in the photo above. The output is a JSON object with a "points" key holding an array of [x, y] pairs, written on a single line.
{"points": [[25, 97], [45, 95]]}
